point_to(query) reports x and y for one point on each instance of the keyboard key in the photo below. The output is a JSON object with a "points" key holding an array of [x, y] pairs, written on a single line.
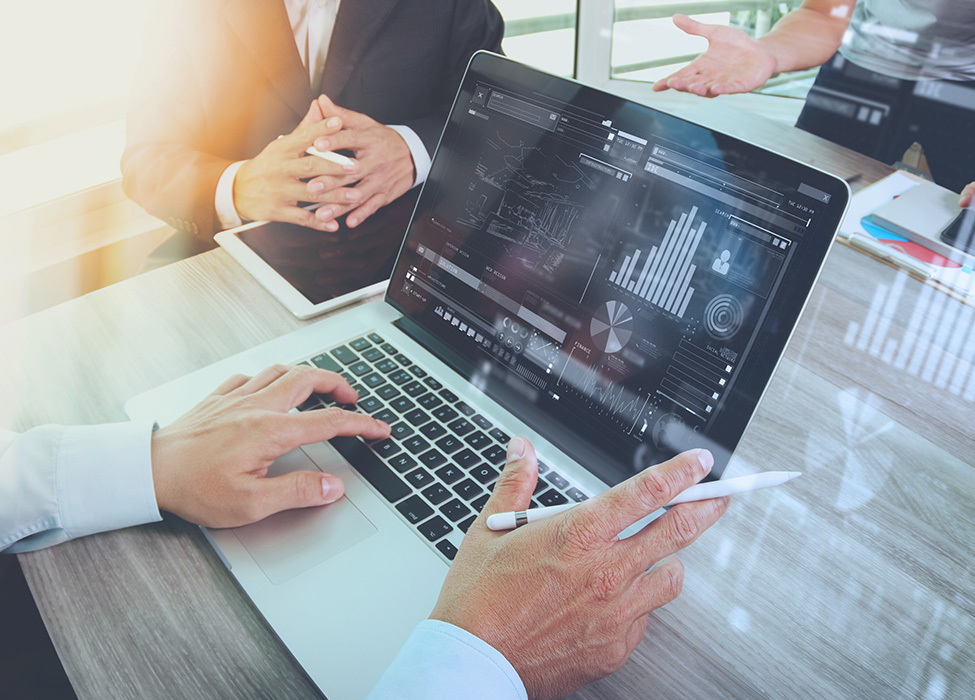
{"points": [[401, 431], [417, 417], [388, 392], [347, 376], [325, 362], [464, 408], [400, 376], [494, 454], [373, 354], [436, 493], [466, 458], [401, 404], [386, 416], [482, 422], [310, 403], [433, 430], [387, 366], [577, 495], [414, 389], [417, 371], [344, 355], [403, 360], [540, 486], [415, 509], [447, 549], [478, 440], [479, 503], [360, 368], [552, 498], [542, 467], [370, 404], [432, 458], [419, 477], [389, 349], [429, 401], [445, 414], [373, 379], [484, 473], [433, 383], [558, 481], [455, 510], [449, 444], [386, 448], [416, 444], [500, 436], [402, 463], [447, 395], [369, 466], [461, 426], [434, 528], [467, 489], [360, 344], [449, 474], [376, 338], [465, 525]]}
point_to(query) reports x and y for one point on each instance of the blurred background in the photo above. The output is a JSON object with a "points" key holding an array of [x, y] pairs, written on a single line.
{"points": [[66, 228]]}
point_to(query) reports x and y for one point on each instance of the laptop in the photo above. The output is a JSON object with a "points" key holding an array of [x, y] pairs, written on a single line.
{"points": [[610, 281]]}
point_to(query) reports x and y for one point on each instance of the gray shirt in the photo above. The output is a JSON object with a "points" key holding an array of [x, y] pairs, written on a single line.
{"points": [[913, 39]]}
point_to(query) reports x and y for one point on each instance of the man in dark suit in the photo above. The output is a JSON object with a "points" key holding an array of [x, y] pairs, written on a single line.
{"points": [[227, 79]]}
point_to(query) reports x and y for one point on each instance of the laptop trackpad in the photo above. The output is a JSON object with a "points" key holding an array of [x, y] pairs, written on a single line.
{"points": [[291, 542]]}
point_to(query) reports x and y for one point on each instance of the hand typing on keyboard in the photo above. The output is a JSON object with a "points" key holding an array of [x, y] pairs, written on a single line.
{"points": [[209, 466], [564, 599]]}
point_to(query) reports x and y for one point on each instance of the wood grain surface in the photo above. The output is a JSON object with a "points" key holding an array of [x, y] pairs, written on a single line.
{"points": [[855, 581]]}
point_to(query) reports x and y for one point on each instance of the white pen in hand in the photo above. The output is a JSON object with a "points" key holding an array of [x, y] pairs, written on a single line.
{"points": [[698, 492]]}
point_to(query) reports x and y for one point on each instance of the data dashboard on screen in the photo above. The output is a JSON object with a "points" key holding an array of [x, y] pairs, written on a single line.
{"points": [[610, 268]]}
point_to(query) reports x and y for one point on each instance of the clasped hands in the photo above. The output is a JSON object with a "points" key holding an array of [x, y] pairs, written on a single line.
{"points": [[271, 185], [564, 600]]}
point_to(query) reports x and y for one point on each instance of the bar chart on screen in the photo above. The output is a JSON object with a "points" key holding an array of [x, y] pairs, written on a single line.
{"points": [[665, 277]]}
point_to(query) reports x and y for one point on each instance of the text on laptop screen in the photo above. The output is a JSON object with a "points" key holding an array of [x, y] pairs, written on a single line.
{"points": [[621, 279]]}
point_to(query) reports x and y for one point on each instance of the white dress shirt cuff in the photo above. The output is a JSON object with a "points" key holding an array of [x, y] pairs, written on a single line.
{"points": [[440, 661], [224, 198], [421, 159], [104, 477]]}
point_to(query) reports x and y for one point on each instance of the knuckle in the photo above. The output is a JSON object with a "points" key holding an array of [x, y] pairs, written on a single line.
{"points": [[673, 579], [654, 487], [684, 526], [575, 537], [606, 582]]}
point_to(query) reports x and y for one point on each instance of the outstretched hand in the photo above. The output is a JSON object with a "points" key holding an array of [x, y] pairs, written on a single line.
{"points": [[210, 465], [733, 62], [564, 599]]}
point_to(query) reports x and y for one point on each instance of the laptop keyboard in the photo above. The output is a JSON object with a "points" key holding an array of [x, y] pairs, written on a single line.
{"points": [[441, 461]]}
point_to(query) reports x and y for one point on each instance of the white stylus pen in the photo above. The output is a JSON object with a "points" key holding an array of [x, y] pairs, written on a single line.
{"points": [[698, 492]]}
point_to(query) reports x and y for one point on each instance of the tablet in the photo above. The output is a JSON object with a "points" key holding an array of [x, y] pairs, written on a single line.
{"points": [[285, 259]]}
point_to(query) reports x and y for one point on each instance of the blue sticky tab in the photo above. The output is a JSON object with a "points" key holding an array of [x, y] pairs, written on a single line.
{"points": [[879, 231]]}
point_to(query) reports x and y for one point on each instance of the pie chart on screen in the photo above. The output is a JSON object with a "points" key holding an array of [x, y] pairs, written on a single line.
{"points": [[611, 326]]}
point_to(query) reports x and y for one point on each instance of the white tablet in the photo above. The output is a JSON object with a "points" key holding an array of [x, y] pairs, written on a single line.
{"points": [[282, 258]]}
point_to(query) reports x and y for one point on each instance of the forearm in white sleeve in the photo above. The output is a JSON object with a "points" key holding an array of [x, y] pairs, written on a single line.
{"points": [[421, 159], [58, 483], [224, 197], [442, 662]]}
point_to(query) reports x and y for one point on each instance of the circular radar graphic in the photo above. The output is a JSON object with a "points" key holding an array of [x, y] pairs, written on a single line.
{"points": [[723, 317], [611, 327]]}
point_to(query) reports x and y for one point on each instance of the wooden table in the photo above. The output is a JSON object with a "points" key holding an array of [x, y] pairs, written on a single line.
{"points": [[853, 582]]}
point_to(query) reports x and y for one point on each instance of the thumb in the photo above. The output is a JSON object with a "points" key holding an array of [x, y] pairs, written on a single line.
{"points": [[314, 114], [302, 489], [967, 195], [513, 490], [692, 26]]}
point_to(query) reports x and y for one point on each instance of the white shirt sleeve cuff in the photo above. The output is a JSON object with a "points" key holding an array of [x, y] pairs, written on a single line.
{"points": [[442, 662], [224, 197], [104, 477], [421, 159]]}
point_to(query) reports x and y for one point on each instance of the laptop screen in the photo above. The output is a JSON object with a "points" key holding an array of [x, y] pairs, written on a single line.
{"points": [[622, 280]]}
